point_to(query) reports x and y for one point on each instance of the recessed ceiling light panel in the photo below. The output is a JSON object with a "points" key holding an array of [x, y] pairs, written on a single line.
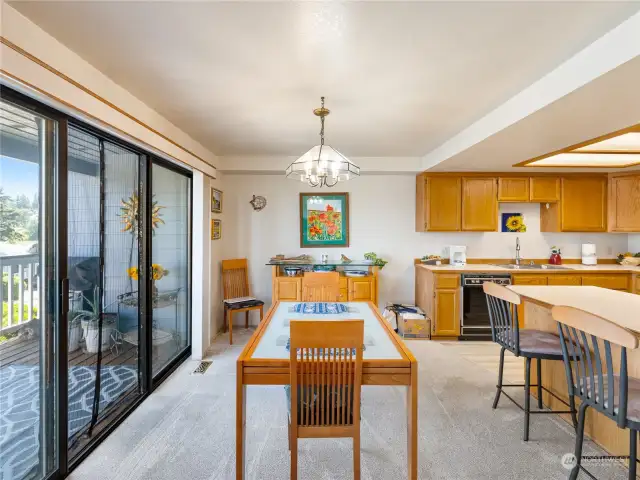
{"points": [[628, 142], [610, 160]]}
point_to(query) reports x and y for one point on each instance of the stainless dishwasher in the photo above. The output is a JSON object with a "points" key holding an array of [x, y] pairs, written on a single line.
{"points": [[474, 314]]}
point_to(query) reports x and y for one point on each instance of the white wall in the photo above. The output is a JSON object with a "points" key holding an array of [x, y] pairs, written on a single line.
{"points": [[634, 243], [382, 210]]}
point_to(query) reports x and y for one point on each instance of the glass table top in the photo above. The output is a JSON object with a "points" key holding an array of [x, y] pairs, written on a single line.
{"points": [[378, 344]]}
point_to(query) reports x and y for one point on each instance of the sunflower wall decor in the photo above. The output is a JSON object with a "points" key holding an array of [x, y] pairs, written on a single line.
{"points": [[129, 212], [513, 223]]}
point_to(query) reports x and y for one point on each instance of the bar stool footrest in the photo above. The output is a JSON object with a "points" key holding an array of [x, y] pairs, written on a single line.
{"points": [[534, 411]]}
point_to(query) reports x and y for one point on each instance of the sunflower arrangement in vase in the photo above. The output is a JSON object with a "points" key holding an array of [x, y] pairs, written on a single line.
{"points": [[157, 273]]}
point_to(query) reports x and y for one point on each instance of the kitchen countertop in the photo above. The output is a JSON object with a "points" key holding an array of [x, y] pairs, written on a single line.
{"points": [[613, 305], [569, 269]]}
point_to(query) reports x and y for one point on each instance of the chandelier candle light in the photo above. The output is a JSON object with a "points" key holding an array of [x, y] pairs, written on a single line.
{"points": [[323, 165]]}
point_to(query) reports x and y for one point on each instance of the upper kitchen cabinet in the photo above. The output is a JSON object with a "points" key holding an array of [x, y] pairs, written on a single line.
{"points": [[544, 189], [439, 203], [582, 206], [624, 202], [513, 189], [479, 204]]}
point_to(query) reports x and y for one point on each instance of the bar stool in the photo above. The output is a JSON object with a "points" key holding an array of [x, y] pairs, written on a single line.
{"points": [[614, 394], [530, 344]]}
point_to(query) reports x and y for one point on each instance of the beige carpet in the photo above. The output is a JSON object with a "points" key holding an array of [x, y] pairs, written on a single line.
{"points": [[186, 430]]}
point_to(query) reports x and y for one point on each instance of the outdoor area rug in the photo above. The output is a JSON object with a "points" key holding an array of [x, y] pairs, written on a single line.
{"points": [[20, 408]]}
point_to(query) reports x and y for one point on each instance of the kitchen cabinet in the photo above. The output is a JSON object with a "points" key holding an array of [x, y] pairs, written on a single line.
{"points": [[624, 203], [532, 279], [513, 189], [612, 281], [479, 204], [544, 189], [637, 285], [439, 203], [567, 280], [438, 295], [446, 321], [582, 206]]}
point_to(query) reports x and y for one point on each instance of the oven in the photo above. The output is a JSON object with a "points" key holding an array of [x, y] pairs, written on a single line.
{"points": [[474, 312]]}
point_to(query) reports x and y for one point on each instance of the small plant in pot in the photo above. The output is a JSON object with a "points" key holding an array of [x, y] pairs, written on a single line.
{"points": [[90, 322], [75, 331]]}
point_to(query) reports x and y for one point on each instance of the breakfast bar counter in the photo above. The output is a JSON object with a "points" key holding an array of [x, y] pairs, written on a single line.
{"points": [[620, 308]]}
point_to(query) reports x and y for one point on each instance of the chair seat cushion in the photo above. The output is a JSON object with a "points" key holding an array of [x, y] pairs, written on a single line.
{"points": [[537, 342], [242, 302], [633, 405]]}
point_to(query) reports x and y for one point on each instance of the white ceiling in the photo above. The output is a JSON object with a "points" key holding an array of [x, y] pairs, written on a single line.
{"points": [[607, 104], [400, 78]]}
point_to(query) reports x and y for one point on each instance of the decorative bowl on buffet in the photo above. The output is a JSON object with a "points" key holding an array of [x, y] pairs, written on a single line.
{"points": [[324, 268], [292, 271]]}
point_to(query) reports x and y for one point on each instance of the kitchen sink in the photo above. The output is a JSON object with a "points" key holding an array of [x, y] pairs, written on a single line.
{"points": [[513, 266]]}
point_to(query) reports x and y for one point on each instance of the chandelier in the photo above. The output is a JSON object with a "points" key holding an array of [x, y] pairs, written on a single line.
{"points": [[323, 165]]}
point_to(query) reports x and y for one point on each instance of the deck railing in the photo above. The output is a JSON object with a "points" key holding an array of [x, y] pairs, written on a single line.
{"points": [[19, 295]]}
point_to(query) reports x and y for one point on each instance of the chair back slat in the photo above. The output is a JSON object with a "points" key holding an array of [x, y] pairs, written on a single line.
{"points": [[321, 287], [586, 342], [503, 316], [235, 278], [326, 372]]}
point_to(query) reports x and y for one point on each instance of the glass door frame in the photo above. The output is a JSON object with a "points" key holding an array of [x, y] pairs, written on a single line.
{"points": [[60, 285], [53, 230], [168, 369]]}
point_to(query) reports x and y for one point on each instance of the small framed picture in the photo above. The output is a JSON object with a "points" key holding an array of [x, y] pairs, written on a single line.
{"points": [[216, 201], [216, 229]]}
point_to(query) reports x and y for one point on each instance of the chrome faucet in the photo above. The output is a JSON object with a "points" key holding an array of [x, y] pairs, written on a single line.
{"points": [[517, 250]]}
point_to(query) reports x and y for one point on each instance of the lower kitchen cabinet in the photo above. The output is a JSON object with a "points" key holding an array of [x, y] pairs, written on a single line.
{"points": [[361, 289], [288, 289], [637, 285], [446, 320], [570, 280]]}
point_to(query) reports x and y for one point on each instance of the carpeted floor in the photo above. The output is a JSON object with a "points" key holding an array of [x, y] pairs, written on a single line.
{"points": [[186, 430]]}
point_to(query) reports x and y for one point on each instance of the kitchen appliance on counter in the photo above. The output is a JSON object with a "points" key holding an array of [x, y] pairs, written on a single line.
{"points": [[589, 254], [457, 255], [474, 312]]}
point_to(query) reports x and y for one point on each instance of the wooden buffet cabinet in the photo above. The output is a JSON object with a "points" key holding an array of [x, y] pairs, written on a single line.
{"points": [[352, 289], [572, 202]]}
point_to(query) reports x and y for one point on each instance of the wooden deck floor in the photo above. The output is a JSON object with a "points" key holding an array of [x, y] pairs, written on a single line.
{"points": [[27, 352]]}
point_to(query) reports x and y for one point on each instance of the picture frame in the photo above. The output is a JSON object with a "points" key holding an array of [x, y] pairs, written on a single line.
{"points": [[324, 220], [216, 229], [216, 200]]}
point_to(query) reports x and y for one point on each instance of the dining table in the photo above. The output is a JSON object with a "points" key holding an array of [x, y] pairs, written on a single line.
{"points": [[386, 361]]}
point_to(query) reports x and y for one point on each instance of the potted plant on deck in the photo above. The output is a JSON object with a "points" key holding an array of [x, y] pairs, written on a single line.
{"points": [[90, 321]]}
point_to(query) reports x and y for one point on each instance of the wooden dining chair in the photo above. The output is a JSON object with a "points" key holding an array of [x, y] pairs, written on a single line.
{"points": [[321, 287], [325, 381], [237, 293]]}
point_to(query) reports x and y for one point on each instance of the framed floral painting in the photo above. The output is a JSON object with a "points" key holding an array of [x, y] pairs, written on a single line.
{"points": [[324, 220]]}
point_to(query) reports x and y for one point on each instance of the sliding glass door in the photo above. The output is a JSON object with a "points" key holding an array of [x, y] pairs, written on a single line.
{"points": [[96, 265], [103, 235], [29, 263], [171, 265]]}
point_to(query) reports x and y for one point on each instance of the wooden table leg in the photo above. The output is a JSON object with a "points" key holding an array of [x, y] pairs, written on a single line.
{"points": [[241, 406], [230, 322], [261, 312], [412, 424]]}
